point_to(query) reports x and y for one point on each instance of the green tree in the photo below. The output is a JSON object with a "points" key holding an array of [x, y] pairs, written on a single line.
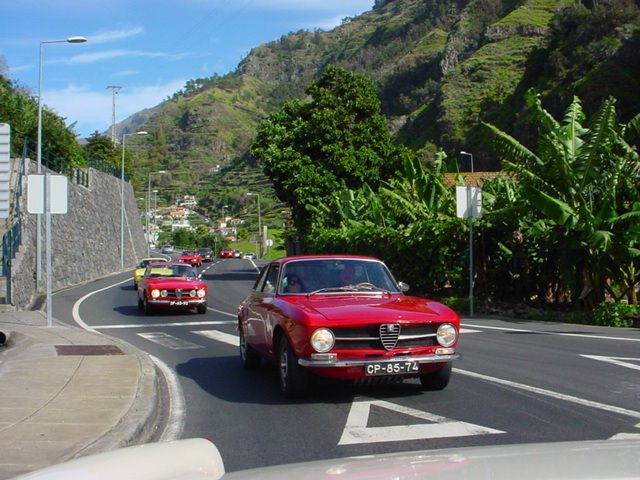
{"points": [[337, 139], [578, 194]]}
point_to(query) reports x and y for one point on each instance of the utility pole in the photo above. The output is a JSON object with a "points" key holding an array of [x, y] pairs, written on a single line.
{"points": [[114, 90]]}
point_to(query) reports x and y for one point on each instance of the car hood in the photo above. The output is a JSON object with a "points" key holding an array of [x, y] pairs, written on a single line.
{"points": [[175, 282], [372, 308]]}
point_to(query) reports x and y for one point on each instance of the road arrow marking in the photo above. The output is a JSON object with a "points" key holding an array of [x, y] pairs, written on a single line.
{"points": [[616, 361], [356, 429]]}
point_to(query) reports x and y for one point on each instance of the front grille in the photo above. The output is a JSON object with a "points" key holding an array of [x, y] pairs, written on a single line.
{"points": [[371, 337], [178, 294]]}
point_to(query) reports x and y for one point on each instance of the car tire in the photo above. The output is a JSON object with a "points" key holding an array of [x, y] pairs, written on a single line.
{"points": [[250, 359], [294, 379], [140, 304], [437, 380], [146, 308], [201, 308]]}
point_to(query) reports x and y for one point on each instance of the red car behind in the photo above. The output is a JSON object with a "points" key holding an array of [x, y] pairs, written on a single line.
{"points": [[171, 286], [191, 256], [344, 317]]}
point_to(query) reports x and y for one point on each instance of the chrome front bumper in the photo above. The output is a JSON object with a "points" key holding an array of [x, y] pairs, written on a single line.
{"points": [[420, 359]]}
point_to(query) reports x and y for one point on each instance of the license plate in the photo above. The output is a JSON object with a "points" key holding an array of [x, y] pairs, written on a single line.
{"points": [[179, 303], [390, 368]]}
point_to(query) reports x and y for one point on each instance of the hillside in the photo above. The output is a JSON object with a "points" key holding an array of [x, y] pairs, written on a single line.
{"points": [[441, 67]]}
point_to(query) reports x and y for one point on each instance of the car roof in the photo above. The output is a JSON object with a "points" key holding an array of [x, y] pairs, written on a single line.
{"points": [[285, 260]]}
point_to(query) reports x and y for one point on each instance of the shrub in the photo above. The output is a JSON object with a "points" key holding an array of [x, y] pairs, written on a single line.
{"points": [[614, 314]]}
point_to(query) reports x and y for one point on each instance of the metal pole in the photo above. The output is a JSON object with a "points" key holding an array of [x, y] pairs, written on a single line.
{"points": [[39, 153], [47, 213], [114, 90], [122, 206], [148, 213], [470, 210]]}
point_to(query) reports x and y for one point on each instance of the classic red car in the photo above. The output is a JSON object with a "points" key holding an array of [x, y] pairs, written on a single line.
{"points": [[171, 285], [227, 253], [191, 256], [344, 317]]}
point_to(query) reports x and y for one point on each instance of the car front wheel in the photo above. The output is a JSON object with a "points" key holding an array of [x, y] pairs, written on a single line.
{"points": [[202, 308], [294, 379], [148, 309], [437, 380]]}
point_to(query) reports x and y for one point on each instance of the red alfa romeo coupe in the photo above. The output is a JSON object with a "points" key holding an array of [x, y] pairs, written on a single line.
{"points": [[344, 317], [171, 285]]}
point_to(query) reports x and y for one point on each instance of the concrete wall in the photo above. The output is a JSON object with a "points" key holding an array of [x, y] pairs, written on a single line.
{"points": [[85, 241]]}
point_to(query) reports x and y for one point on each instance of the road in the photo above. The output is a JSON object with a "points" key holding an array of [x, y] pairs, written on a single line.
{"points": [[518, 382]]}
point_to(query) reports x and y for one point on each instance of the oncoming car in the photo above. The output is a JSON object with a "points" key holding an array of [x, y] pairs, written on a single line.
{"points": [[139, 272], [344, 317], [227, 253], [191, 256], [171, 285]]}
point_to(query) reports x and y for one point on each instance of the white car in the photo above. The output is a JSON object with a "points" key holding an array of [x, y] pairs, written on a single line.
{"points": [[199, 459], [249, 256]]}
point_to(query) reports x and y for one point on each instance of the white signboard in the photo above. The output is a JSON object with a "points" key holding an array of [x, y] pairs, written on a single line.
{"points": [[469, 202], [36, 197]]}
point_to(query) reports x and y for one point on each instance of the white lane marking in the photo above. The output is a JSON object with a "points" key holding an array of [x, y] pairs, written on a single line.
{"points": [[223, 313], [560, 334], [219, 336], [172, 324], [177, 412], [75, 311], [356, 430], [169, 341], [616, 361], [549, 393], [468, 330]]}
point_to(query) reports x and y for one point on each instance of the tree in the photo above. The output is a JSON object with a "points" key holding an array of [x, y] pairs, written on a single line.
{"points": [[337, 139], [578, 194]]}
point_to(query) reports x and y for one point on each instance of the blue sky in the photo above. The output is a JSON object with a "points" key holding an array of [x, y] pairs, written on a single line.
{"points": [[150, 48]]}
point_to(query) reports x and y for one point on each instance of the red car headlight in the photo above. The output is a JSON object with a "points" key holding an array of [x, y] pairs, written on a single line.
{"points": [[155, 293], [447, 334], [322, 340], [202, 293]]}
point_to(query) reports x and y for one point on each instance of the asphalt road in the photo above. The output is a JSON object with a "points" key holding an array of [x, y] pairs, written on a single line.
{"points": [[518, 382]]}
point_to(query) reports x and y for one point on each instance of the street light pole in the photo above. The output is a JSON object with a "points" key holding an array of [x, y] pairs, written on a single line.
{"points": [[39, 151], [124, 136], [471, 157], [159, 172], [259, 223]]}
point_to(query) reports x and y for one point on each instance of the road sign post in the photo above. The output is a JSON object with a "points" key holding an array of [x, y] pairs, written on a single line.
{"points": [[469, 205]]}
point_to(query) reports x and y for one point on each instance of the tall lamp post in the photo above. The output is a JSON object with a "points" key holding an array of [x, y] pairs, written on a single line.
{"points": [[470, 156], [159, 172], [124, 136], [39, 150], [259, 222]]}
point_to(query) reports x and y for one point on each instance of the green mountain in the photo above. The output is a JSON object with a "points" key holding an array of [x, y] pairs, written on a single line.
{"points": [[441, 68]]}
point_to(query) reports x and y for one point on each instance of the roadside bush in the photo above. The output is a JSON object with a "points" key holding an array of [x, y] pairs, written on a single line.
{"points": [[615, 314]]}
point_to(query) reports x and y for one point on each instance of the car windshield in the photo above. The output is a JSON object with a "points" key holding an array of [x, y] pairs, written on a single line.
{"points": [[172, 271], [336, 276]]}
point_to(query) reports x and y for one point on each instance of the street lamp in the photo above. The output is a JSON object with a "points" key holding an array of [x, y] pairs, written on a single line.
{"points": [[39, 150], [470, 156], [259, 222], [159, 172], [124, 136]]}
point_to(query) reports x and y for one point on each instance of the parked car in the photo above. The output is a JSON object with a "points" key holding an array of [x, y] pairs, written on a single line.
{"points": [[206, 254], [237, 253], [344, 317], [167, 248], [227, 253], [171, 285], [190, 256], [142, 266], [249, 256]]}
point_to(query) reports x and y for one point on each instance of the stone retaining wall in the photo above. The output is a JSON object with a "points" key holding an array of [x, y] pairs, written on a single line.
{"points": [[85, 241]]}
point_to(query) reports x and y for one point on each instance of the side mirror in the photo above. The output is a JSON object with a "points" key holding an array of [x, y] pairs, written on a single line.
{"points": [[404, 287]]}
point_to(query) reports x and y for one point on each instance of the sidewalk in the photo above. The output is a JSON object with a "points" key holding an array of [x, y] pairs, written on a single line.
{"points": [[66, 392]]}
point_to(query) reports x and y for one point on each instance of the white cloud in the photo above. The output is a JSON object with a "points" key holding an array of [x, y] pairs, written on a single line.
{"points": [[92, 110], [114, 35]]}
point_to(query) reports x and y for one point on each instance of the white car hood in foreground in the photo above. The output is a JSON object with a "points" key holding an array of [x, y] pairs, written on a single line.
{"points": [[194, 459]]}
